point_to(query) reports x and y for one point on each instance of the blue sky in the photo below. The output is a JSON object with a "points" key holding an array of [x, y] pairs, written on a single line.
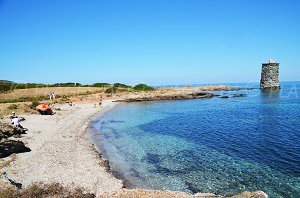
{"points": [[151, 41]]}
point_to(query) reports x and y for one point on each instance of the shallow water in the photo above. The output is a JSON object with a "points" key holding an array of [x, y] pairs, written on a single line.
{"points": [[223, 146]]}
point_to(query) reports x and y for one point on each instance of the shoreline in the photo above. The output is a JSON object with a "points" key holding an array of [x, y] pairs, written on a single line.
{"points": [[93, 173], [130, 190]]}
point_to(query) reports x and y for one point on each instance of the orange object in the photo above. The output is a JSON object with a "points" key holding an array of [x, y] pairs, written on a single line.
{"points": [[43, 107]]}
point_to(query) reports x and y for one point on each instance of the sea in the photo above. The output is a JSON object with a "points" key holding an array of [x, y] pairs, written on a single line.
{"points": [[218, 145]]}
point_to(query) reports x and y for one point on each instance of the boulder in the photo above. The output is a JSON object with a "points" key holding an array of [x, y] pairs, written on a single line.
{"points": [[224, 97], [9, 147], [238, 95]]}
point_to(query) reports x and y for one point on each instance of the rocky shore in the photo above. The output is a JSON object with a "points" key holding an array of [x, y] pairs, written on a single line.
{"points": [[183, 94], [169, 97]]}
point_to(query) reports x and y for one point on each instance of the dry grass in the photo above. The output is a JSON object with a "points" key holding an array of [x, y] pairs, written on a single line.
{"points": [[45, 190], [59, 91]]}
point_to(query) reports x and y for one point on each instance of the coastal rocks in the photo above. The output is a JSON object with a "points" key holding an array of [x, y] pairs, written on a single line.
{"points": [[203, 195], [7, 131], [189, 96], [221, 88], [202, 95], [233, 96], [9, 147], [238, 95], [256, 194], [105, 164], [127, 193], [224, 97]]}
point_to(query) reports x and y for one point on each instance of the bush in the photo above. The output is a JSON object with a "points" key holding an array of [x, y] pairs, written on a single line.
{"points": [[65, 100], [111, 90], [4, 87], [121, 85], [143, 87], [100, 85], [13, 106], [34, 104]]}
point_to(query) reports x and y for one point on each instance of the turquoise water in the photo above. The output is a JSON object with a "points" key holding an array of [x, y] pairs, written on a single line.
{"points": [[223, 146]]}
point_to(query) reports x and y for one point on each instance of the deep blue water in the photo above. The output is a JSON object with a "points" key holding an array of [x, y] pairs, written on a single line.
{"points": [[223, 146]]}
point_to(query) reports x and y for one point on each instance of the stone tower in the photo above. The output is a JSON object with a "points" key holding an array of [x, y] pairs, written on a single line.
{"points": [[269, 75]]}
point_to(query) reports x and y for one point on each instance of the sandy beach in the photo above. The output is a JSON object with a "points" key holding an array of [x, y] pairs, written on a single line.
{"points": [[62, 151]]}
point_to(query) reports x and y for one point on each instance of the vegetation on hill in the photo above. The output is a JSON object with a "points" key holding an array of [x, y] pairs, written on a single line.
{"points": [[70, 84], [75, 89], [4, 87], [120, 85], [143, 87], [99, 85], [9, 85], [111, 90]]}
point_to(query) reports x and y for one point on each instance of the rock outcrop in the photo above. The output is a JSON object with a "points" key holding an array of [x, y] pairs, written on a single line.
{"points": [[238, 95], [126, 193], [8, 147], [158, 97]]}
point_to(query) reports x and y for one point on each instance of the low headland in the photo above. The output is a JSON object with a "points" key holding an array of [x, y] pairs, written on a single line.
{"points": [[56, 156]]}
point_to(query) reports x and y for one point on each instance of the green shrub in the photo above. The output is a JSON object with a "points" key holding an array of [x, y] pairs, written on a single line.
{"points": [[34, 104], [111, 90], [143, 87], [13, 106], [121, 85], [6, 86], [65, 99], [100, 85]]}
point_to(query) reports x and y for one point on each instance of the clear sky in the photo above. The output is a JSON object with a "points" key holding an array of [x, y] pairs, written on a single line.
{"points": [[151, 41]]}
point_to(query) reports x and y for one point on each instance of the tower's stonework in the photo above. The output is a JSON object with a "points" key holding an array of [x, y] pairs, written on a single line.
{"points": [[270, 75]]}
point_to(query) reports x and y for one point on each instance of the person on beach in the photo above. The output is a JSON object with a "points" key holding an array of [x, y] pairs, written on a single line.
{"points": [[15, 121], [13, 115], [50, 96]]}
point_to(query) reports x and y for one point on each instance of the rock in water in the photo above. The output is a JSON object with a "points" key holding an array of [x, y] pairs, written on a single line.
{"points": [[238, 95]]}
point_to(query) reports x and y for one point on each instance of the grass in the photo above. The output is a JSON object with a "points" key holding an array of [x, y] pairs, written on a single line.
{"points": [[40, 94], [13, 107], [45, 190]]}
